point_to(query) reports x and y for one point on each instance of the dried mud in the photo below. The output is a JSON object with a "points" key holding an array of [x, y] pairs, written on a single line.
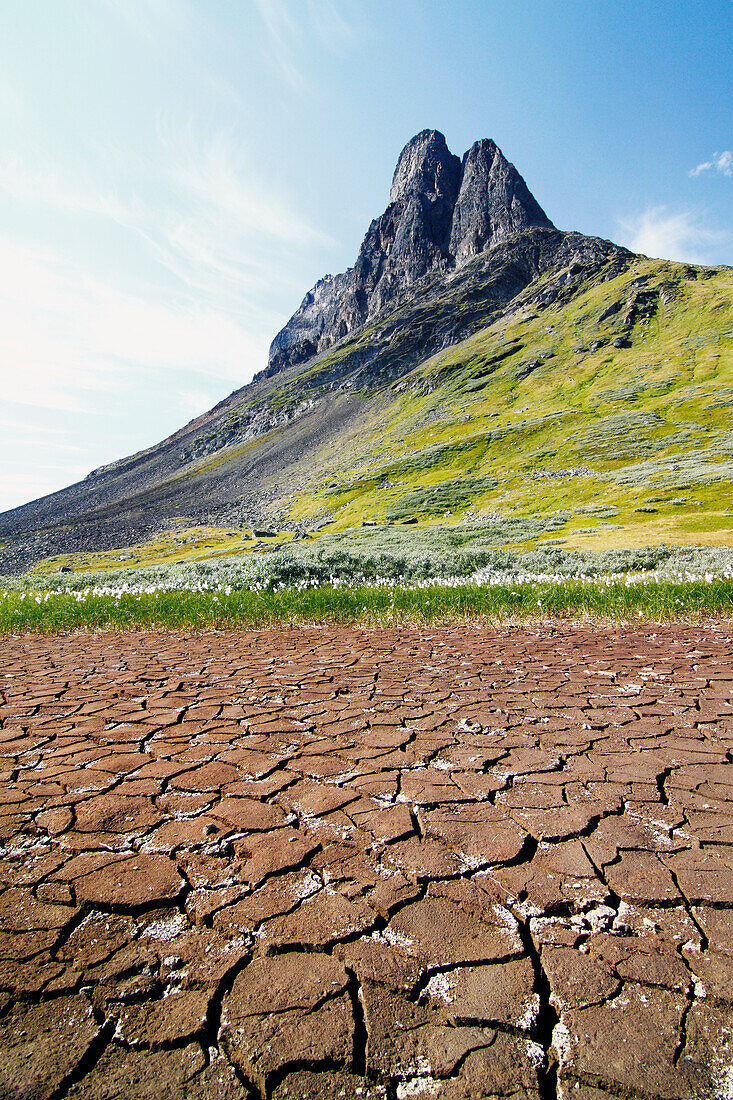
{"points": [[330, 863]]}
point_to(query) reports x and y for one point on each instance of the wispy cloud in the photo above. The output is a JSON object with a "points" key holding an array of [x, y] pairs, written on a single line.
{"points": [[281, 26], [67, 338], [39, 431], [193, 403], [147, 19], [46, 186], [720, 162], [216, 177], [670, 235], [224, 232], [291, 22], [90, 372], [18, 486], [331, 26], [183, 316], [143, 272], [11, 100], [207, 217]]}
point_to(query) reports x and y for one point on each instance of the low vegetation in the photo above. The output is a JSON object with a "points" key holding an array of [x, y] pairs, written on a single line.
{"points": [[312, 587]]}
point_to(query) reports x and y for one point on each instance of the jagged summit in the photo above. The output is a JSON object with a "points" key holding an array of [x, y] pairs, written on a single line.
{"points": [[493, 203], [442, 212], [426, 165]]}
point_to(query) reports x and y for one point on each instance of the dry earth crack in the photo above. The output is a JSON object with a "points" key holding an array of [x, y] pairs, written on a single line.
{"points": [[368, 864]]}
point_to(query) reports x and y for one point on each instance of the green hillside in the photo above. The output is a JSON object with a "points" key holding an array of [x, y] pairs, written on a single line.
{"points": [[539, 428], [593, 418]]}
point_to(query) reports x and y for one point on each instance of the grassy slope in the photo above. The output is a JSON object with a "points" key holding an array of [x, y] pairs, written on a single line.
{"points": [[626, 446], [618, 446], [172, 547], [570, 598]]}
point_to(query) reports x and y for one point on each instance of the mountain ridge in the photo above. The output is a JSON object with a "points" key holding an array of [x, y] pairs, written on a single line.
{"points": [[442, 212], [460, 296]]}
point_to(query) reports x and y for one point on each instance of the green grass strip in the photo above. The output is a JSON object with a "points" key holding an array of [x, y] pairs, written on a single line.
{"points": [[365, 605]]}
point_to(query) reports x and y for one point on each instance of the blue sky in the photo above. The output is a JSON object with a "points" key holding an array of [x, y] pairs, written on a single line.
{"points": [[175, 175]]}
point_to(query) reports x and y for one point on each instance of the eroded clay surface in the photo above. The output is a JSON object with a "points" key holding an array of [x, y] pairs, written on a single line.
{"points": [[326, 863]]}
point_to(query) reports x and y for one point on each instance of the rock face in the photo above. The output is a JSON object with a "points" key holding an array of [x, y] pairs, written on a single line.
{"points": [[493, 203], [442, 213]]}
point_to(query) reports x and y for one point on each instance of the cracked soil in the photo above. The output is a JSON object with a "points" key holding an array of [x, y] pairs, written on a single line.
{"points": [[336, 863]]}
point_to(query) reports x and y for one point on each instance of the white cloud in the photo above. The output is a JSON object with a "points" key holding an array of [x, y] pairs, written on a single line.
{"points": [[145, 282], [330, 25], [11, 100], [215, 177], [200, 210], [20, 486], [9, 424], [228, 95], [277, 16], [721, 162], [223, 228], [195, 251], [664, 234], [193, 403], [69, 339], [231, 240], [95, 373]]}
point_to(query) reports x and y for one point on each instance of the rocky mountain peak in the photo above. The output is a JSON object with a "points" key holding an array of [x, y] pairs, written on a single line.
{"points": [[426, 167], [442, 213], [494, 202]]}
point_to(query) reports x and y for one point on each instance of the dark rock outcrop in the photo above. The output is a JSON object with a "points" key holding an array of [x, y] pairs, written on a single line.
{"points": [[493, 203], [441, 214]]}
